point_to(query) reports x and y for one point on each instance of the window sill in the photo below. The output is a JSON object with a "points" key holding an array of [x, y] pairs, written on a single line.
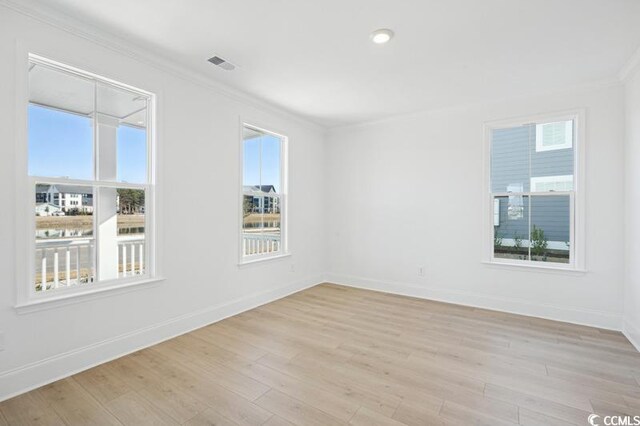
{"points": [[261, 259], [546, 268], [56, 301]]}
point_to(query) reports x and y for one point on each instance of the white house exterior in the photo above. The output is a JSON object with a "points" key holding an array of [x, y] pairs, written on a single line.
{"points": [[66, 197]]}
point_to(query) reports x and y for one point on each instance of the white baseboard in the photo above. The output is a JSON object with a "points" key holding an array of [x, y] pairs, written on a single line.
{"points": [[592, 318], [632, 333], [25, 378]]}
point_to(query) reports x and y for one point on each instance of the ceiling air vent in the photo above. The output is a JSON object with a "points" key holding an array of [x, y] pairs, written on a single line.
{"points": [[217, 60]]}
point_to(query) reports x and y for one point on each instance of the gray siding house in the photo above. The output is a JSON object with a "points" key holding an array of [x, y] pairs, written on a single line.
{"points": [[520, 163]]}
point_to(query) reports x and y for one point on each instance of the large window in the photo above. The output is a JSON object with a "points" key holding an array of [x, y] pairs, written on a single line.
{"points": [[533, 192], [90, 172], [263, 194]]}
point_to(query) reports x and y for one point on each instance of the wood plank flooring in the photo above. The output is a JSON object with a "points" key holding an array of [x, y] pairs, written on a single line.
{"points": [[333, 355]]}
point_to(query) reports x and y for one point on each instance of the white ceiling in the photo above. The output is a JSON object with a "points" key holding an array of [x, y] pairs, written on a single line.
{"points": [[314, 57]]}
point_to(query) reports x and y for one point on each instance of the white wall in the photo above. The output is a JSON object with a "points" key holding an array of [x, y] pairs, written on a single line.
{"points": [[199, 161], [632, 198], [407, 192]]}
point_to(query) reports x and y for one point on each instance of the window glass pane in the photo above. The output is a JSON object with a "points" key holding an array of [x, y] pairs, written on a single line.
{"points": [[252, 219], [271, 222], [60, 125], [552, 169], [122, 122], [270, 173], [271, 170], [555, 135], [550, 228], [131, 232], [252, 194], [132, 154], [121, 232], [511, 227], [533, 158], [510, 159], [262, 204], [261, 229], [251, 154], [64, 236], [252, 230]]}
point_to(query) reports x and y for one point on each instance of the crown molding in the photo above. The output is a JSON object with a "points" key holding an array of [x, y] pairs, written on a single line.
{"points": [[582, 88], [149, 56], [631, 67]]}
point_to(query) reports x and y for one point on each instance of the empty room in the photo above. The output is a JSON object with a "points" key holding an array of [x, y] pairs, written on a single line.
{"points": [[338, 212]]}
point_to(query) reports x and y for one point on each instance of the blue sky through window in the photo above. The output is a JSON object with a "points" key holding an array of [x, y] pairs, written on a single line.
{"points": [[132, 154], [61, 145], [271, 147]]}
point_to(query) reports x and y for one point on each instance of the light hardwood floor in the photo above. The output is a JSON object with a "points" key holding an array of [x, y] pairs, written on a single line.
{"points": [[333, 355]]}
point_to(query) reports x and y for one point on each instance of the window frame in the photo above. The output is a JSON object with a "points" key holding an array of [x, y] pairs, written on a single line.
{"points": [[577, 199], [283, 196], [27, 298]]}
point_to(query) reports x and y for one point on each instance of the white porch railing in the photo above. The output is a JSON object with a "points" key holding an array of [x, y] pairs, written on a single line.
{"points": [[130, 256], [260, 243], [66, 262]]}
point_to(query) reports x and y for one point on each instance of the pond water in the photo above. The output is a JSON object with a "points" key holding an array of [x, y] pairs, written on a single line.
{"points": [[78, 232], [270, 224]]}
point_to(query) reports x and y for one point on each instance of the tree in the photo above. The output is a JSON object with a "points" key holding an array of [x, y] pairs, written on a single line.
{"points": [[247, 205], [131, 200]]}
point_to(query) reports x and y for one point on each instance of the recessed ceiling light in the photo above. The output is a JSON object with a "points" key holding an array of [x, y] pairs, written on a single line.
{"points": [[381, 36]]}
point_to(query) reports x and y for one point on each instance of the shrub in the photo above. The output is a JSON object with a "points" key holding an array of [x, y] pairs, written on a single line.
{"points": [[517, 241], [539, 242], [497, 240]]}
